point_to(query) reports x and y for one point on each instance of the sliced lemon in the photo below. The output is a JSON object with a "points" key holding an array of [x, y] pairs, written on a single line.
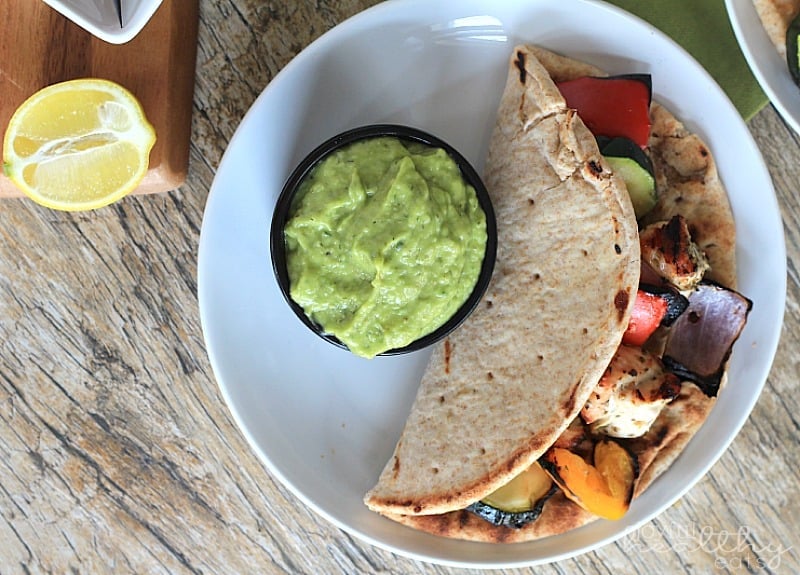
{"points": [[78, 145]]}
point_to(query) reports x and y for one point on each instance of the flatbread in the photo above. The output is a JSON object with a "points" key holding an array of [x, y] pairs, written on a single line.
{"points": [[688, 183], [503, 387], [775, 16]]}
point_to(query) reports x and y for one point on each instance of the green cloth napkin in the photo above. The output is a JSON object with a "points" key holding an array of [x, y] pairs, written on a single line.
{"points": [[703, 29]]}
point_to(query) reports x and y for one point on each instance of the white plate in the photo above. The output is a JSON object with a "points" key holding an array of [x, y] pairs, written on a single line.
{"points": [[325, 422], [99, 17], [769, 68]]}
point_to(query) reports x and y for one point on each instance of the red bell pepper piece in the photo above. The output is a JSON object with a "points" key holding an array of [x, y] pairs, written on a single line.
{"points": [[648, 311], [613, 106]]}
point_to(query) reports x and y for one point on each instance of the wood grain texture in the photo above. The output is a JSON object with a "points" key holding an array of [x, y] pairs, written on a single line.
{"points": [[39, 47], [118, 454]]}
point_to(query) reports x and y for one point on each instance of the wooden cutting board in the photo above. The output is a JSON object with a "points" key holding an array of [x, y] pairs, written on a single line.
{"points": [[39, 47]]}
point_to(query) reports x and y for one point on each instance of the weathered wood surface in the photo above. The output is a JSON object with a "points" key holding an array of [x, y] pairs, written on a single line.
{"points": [[118, 455]]}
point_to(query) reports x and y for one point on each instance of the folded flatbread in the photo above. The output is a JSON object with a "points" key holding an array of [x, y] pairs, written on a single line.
{"points": [[503, 387], [499, 390]]}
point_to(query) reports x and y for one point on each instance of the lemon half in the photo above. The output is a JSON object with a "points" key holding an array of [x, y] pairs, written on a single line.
{"points": [[78, 145]]}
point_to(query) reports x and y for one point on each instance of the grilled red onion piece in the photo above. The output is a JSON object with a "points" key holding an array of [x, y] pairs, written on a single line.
{"points": [[701, 339]]}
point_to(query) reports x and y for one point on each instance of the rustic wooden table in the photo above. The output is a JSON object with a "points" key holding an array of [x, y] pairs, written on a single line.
{"points": [[118, 454]]}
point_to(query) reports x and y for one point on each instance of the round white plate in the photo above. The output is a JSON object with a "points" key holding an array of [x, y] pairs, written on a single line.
{"points": [[769, 68], [325, 422]]}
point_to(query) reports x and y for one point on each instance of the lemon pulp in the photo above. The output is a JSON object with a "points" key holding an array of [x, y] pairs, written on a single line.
{"points": [[78, 145]]}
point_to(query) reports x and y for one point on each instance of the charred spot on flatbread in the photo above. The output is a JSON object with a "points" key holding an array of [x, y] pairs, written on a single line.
{"points": [[448, 350], [621, 303], [520, 64]]}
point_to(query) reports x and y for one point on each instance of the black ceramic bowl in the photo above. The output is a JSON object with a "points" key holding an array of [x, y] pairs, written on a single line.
{"points": [[281, 216]]}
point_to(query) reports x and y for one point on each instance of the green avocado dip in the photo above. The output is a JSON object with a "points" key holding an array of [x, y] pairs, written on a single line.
{"points": [[384, 243]]}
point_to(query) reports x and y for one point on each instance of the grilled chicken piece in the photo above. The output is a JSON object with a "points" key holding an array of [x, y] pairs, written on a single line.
{"points": [[630, 395], [667, 247]]}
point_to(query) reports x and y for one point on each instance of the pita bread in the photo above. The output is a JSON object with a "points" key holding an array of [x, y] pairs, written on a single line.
{"points": [[538, 342], [776, 15], [687, 182]]}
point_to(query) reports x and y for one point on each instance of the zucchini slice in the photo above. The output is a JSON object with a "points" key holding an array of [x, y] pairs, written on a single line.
{"points": [[621, 147], [626, 158], [518, 502]]}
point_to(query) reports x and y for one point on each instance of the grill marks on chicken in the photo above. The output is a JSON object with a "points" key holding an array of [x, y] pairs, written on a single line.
{"points": [[667, 247], [630, 395]]}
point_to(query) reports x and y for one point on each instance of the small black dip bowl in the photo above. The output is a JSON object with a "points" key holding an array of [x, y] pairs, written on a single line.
{"points": [[284, 203]]}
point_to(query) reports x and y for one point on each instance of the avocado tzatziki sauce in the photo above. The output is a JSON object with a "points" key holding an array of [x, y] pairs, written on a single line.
{"points": [[384, 243]]}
